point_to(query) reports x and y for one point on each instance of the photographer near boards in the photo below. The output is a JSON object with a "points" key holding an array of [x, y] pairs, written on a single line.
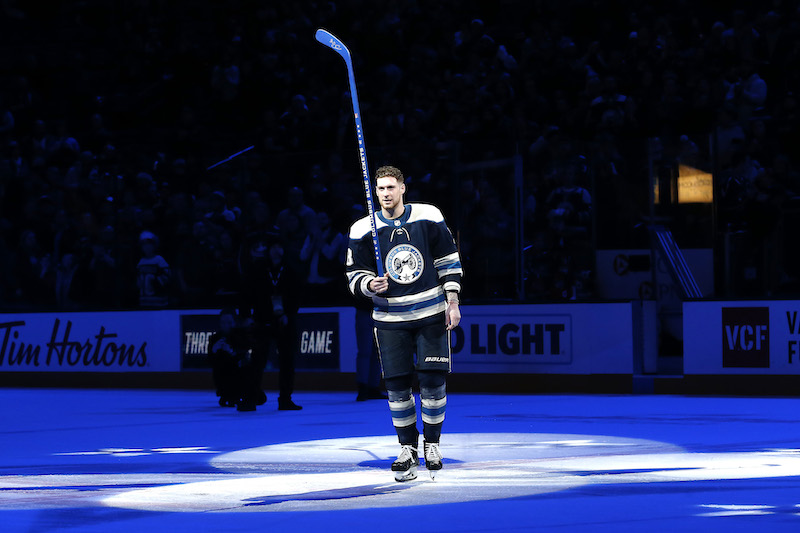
{"points": [[236, 373]]}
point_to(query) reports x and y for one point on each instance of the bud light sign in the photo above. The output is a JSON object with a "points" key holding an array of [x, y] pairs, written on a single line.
{"points": [[511, 337]]}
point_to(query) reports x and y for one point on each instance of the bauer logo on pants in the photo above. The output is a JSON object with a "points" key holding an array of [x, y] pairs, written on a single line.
{"points": [[745, 337]]}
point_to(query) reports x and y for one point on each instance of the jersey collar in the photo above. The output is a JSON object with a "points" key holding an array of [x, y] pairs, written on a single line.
{"points": [[396, 222]]}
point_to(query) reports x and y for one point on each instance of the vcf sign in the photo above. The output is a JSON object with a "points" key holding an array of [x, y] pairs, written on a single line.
{"points": [[745, 337]]}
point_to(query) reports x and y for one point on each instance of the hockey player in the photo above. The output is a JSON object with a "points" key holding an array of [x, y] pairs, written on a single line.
{"points": [[415, 306]]}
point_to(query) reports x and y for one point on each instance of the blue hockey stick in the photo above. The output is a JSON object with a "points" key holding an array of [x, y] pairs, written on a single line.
{"points": [[328, 39]]}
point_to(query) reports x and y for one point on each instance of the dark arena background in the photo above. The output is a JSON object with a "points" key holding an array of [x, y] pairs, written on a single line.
{"points": [[622, 182]]}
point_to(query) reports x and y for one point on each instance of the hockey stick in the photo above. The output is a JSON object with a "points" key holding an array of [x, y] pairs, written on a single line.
{"points": [[328, 39], [218, 163]]}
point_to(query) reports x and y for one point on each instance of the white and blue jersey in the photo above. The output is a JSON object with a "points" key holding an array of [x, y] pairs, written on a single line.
{"points": [[420, 259]]}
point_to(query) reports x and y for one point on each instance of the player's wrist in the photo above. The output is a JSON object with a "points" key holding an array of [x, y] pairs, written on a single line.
{"points": [[367, 289], [452, 297]]}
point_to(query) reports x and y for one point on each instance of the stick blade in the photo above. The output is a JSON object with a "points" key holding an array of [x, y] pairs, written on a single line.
{"points": [[330, 40]]}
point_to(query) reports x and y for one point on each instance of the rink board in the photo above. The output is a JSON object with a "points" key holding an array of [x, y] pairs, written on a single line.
{"points": [[729, 338], [542, 339]]}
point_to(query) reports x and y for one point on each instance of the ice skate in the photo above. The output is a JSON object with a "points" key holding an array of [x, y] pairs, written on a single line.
{"points": [[433, 458], [405, 467]]}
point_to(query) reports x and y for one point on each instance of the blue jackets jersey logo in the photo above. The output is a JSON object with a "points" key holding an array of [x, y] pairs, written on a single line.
{"points": [[404, 264]]}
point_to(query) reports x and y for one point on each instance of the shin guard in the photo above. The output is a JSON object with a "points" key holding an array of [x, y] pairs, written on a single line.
{"points": [[434, 404], [404, 416]]}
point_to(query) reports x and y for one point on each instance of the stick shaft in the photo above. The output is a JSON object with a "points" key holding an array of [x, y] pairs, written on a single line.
{"points": [[218, 163], [327, 38]]}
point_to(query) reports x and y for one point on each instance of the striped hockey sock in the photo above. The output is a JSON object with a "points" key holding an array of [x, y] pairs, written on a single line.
{"points": [[434, 405], [404, 416]]}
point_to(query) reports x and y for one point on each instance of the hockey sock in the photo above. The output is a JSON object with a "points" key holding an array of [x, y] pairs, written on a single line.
{"points": [[433, 396], [404, 415]]}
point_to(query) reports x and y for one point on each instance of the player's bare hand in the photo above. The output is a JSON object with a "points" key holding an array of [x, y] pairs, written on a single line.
{"points": [[452, 316], [379, 285]]}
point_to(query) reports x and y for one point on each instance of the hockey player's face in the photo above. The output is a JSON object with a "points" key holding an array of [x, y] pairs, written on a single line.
{"points": [[390, 192]]}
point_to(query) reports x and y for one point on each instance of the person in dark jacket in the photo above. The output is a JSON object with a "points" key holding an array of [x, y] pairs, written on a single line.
{"points": [[269, 305]]}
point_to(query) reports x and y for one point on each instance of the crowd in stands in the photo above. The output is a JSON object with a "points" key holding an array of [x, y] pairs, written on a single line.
{"points": [[114, 115]]}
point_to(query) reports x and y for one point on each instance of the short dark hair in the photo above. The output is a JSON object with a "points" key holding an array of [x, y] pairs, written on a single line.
{"points": [[388, 171]]}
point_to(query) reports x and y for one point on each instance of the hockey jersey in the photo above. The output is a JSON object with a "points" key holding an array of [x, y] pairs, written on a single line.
{"points": [[420, 259]]}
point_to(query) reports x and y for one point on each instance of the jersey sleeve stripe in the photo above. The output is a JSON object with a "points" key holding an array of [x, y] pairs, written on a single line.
{"points": [[352, 275], [356, 277], [452, 286], [447, 260], [455, 269], [447, 265]]}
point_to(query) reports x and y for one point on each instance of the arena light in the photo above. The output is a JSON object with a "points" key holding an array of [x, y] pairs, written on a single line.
{"points": [[695, 186]]}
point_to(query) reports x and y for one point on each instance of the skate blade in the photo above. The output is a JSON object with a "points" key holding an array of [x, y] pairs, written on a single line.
{"points": [[435, 470], [408, 475]]}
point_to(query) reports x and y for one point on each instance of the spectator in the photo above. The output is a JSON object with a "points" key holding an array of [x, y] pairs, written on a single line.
{"points": [[195, 267], [729, 134], [219, 214], [34, 271], [295, 223], [296, 125], [569, 212], [102, 271], [493, 233], [748, 93], [65, 273], [325, 252], [14, 166], [153, 274], [6, 121], [226, 270], [478, 77]]}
